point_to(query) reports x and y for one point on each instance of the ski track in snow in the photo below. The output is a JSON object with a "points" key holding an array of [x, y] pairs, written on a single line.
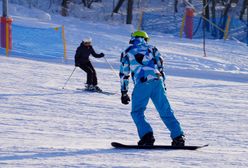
{"points": [[45, 126]]}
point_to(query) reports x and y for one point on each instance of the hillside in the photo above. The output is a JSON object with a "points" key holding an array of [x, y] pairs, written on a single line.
{"points": [[43, 125]]}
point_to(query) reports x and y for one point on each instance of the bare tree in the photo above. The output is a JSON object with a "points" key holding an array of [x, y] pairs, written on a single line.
{"points": [[225, 14], [87, 3], [64, 7], [244, 6], [118, 6], [213, 12], [175, 6], [129, 11], [206, 13]]}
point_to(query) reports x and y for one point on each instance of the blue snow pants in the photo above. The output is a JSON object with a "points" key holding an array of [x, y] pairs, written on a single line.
{"points": [[154, 89]]}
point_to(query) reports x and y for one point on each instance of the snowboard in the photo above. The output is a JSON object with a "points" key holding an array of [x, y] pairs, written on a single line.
{"points": [[93, 91], [155, 147]]}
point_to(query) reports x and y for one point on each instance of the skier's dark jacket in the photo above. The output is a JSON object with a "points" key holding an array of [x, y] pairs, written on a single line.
{"points": [[83, 52]]}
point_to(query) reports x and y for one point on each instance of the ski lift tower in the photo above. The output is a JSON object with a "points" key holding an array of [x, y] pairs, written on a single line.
{"points": [[6, 28]]}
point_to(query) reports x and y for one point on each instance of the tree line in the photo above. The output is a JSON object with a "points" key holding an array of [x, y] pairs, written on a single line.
{"points": [[209, 7]]}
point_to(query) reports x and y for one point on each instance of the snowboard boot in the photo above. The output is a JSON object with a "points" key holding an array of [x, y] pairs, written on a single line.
{"points": [[147, 140], [178, 141]]}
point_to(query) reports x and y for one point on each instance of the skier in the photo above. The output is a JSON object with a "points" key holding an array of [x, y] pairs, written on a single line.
{"points": [[146, 66], [82, 60]]}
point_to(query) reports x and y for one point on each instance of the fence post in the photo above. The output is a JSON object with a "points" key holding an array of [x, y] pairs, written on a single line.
{"points": [[182, 27], [64, 41], [140, 20], [227, 27], [189, 22], [6, 33], [7, 39]]}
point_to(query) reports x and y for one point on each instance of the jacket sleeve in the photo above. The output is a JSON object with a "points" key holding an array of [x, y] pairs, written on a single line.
{"points": [[77, 55], [124, 72], [92, 51], [160, 62]]}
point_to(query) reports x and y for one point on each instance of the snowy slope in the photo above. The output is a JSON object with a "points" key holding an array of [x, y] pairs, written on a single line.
{"points": [[43, 125]]}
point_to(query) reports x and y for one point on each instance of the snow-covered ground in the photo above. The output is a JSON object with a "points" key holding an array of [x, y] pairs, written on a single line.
{"points": [[43, 125]]}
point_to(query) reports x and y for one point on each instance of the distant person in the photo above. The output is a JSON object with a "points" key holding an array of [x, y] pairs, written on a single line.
{"points": [[82, 60], [145, 64]]}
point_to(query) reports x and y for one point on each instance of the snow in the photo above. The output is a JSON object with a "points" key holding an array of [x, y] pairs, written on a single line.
{"points": [[43, 125], [17, 10]]}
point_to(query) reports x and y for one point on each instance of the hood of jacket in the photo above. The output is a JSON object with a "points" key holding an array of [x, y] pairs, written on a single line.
{"points": [[137, 41]]}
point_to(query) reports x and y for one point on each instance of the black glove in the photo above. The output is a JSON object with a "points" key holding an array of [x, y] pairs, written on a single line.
{"points": [[101, 54], [125, 99]]}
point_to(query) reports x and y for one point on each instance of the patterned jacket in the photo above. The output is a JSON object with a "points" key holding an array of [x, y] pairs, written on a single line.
{"points": [[143, 61]]}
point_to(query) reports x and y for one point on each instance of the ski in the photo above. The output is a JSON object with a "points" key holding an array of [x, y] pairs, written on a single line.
{"points": [[92, 91], [156, 147]]}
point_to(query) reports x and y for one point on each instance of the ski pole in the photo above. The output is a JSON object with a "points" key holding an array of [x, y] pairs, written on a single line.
{"points": [[69, 78], [111, 67]]}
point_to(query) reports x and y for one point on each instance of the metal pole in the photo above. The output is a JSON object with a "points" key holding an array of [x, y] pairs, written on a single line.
{"points": [[69, 78], [111, 67], [5, 8], [204, 33]]}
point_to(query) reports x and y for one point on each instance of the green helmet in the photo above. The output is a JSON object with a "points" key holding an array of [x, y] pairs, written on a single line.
{"points": [[142, 34]]}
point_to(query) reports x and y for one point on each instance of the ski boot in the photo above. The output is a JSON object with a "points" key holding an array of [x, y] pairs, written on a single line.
{"points": [[89, 87], [97, 89], [147, 140], [178, 141]]}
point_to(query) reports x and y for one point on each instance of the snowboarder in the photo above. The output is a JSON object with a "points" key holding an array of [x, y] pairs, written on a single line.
{"points": [[145, 64], [82, 60]]}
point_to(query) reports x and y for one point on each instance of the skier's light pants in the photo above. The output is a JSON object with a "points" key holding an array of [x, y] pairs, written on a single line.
{"points": [[154, 89]]}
